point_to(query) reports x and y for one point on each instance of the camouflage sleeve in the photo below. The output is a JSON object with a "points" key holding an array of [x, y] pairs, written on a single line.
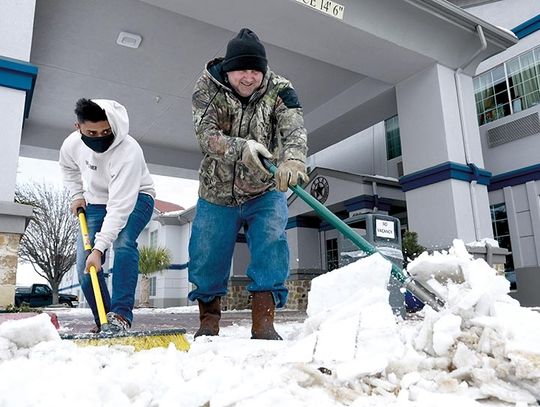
{"points": [[206, 108], [290, 125]]}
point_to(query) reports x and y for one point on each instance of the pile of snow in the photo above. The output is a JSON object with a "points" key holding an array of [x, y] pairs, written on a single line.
{"points": [[482, 349], [483, 342], [483, 243], [508, 31], [352, 325], [22, 334]]}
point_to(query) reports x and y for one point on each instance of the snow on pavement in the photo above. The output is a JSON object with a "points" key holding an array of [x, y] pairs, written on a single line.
{"points": [[482, 349]]}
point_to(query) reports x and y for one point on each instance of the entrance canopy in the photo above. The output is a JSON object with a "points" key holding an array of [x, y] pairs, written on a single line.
{"points": [[344, 70]]}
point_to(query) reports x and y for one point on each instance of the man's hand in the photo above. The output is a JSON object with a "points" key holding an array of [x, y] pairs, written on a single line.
{"points": [[77, 203], [94, 259], [288, 174], [250, 156]]}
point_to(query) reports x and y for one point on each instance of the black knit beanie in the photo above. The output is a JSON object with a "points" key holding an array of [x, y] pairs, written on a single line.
{"points": [[245, 51]]}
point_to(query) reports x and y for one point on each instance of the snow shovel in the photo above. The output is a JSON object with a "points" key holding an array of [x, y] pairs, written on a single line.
{"points": [[415, 287], [138, 339]]}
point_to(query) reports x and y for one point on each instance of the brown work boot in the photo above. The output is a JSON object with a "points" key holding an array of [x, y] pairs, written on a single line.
{"points": [[262, 315], [209, 315]]}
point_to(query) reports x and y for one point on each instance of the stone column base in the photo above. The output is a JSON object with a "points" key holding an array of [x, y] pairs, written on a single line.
{"points": [[238, 296], [494, 256], [14, 218], [298, 284], [9, 246]]}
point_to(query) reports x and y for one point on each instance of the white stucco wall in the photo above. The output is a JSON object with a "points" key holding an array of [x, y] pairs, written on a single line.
{"points": [[304, 249], [363, 153], [522, 46], [16, 28], [523, 213], [514, 155], [506, 13], [174, 238], [172, 286], [434, 229], [241, 259], [12, 108], [429, 119]]}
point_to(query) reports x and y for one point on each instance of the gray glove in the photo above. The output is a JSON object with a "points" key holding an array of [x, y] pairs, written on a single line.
{"points": [[250, 156], [288, 173]]}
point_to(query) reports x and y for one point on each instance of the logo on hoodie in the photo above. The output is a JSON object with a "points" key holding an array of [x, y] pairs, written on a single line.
{"points": [[91, 166]]}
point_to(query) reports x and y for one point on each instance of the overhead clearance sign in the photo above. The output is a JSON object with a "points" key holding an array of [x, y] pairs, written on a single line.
{"points": [[328, 7]]}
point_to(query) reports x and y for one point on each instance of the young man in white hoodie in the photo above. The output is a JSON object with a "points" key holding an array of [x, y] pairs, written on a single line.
{"points": [[105, 171]]}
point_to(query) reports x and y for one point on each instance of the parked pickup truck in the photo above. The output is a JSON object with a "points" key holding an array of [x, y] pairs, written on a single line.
{"points": [[40, 295]]}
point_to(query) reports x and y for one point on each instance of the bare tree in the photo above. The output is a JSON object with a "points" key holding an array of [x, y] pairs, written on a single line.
{"points": [[49, 243]]}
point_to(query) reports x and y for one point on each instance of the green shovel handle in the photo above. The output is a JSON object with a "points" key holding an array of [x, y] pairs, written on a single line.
{"points": [[417, 289]]}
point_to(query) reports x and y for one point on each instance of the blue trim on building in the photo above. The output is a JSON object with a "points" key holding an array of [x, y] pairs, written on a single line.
{"points": [[515, 177], [367, 202], [19, 75], [69, 288], [179, 266], [325, 226], [443, 172], [303, 222], [528, 27]]}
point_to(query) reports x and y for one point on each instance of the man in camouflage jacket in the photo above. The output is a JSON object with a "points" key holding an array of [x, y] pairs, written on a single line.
{"points": [[242, 111]]}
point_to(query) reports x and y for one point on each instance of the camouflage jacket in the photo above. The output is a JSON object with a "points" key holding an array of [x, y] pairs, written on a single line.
{"points": [[272, 116]]}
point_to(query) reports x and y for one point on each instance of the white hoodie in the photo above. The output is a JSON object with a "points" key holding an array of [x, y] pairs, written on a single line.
{"points": [[113, 178]]}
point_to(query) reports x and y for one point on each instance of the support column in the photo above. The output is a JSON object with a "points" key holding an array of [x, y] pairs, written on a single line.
{"points": [[444, 181], [13, 221], [17, 79]]}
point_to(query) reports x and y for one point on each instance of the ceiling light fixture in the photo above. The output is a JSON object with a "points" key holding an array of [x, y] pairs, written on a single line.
{"points": [[129, 40]]}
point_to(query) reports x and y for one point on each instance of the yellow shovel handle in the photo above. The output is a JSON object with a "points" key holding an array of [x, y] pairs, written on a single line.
{"points": [[93, 272]]}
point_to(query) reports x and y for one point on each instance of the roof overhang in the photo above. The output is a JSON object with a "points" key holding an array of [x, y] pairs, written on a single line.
{"points": [[344, 70]]}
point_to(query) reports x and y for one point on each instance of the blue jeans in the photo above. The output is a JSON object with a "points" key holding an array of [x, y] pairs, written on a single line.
{"points": [[213, 238], [125, 269]]}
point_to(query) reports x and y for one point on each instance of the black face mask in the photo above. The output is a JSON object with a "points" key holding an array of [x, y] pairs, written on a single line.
{"points": [[98, 144]]}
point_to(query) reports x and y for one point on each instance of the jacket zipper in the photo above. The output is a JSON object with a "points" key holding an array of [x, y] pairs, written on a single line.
{"points": [[234, 165]]}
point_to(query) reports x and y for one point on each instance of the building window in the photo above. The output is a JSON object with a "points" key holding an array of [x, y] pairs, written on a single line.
{"points": [[491, 93], [523, 80], [508, 88], [153, 238], [332, 257], [152, 289], [501, 232], [393, 141]]}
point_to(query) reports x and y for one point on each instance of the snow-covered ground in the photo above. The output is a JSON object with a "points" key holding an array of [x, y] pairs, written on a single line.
{"points": [[482, 349]]}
